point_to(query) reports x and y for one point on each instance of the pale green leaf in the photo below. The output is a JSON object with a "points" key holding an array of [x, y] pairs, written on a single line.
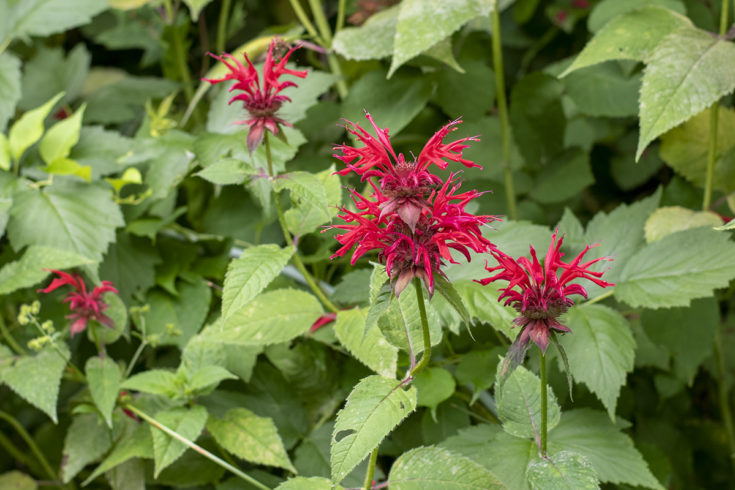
{"points": [[66, 166], [154, 381], [607, 10], [15, 480], [87, 439], [564, 471], [176, 319], [70, 71], [44, 17], [32, 267], [436, 468], [312, 483], [309, 196], [195, 7], [104, 378], [665, 273], [29, 128], [305, 216], [610, 452], [670, 219], [249, 274], [687, 72], [372, 40], [61, 137], [224, 172], [208, 377], [433, 385], [135, 444], [252, 438], [375, 406], [401, 322], [601, 350], [9, 91], [371, 347], [519, 403], [187, 422]]}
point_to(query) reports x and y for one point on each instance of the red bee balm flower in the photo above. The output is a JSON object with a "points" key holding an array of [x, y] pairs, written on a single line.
{"points": [[539, 293], [83, 305], [262, 101]]}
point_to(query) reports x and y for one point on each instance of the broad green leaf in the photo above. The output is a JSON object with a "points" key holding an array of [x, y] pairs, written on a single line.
{"points": [[566, 470], [457, 92], [604, 90], [224, 172], [375, 406], [607, 10], [129, 263], [186, 422], [610, 452], [195, 7], [122, 98], [66, 166], [422, 23], [304, 483], [685, 149], [87, 439], [478, 368], [252, 438], [447, 290], [372, 40], [687, 72], [104, 378], [118, 313], [70, 71], [433, 385], [135, 444], [666, 273], [33, 266], [29, 128], [61, 137], [208, 377], [305, 95], [565, 176], [632, 36], [309, 197], [15, 480], [37, 378], [369, 347], [482, 303], [176, 319], [601, 350], [305, 216], [402, 321], [9, 90], [249, 274], [154, 381], [44, 17], [436, 468], [670, 219], [273, 317], [519, 403]]}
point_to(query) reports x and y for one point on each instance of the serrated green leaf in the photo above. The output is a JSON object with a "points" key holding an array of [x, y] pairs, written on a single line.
{"points": [[665, 273], [436, 468], [306, 217], [250, 437], [401, 322], [208, 376], [9, 91], [670, 219], [70, 71], [129, 263], [566, 470], [482, 303], [61, 137], [273, 317], [422, 23], [610, 452], [369, 347], [224, 172], [601, 350], [607, 10], [137, 443], [37, 378], [154, 381], [29, 128], [309, 197], [104, 378], [44, 17], [86, 440], [312, 483], [519, 403], [32, 267], [687, 72], [375, 406], [187, 422], [372, 40], [456, 92], [176, 320], [249, 274], [433, 386]]}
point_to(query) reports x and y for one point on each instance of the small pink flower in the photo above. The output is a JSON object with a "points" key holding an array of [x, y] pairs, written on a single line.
{"points": [[84, 305], [323, 320], [540, 293], [261, 100]]}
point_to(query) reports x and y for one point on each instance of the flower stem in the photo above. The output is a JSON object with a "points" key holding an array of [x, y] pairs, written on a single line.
{"points": [[301, 15], [599, 298], [224, 464], [326, 35], [544, 403], [289, 240], [503, 111], [179, 52], [723, 396], [340, 16], [134, 360], [424, 327], [222, 25], [370, 470], [31, 444]]}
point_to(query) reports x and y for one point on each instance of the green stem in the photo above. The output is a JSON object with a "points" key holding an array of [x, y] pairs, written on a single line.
{"points": [[180, 53], [95, 339], [10, 339], [503, 111], [222, 26], [301, 15], [424, 327], [289, 240], [599, 298], [31, 444], [723, 396], [544, 403], [326, 35], [371, 470], [341, 16], [218, 461], [134, 360]]}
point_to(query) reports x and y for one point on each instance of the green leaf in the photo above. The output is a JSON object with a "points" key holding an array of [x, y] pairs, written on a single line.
{"points": [[208, 377], [610, 452], [633, 36], [565, 470], [436, 468], [369, 347], [15, 480], [9, 89], [309, 196], [372, 40], [519, 403], [564, 177], [688, 71], [187, 422], [176, 319], [44, 17], [456, 92], [482, 303], [29, 128], [37, 378], [313, 483], [69, 72], [249, 274], [607, 10], [32, 267], [375, 406], [86, 440], [61, 137], [307, 215], [252, 438], [604, 90], [195, 7], [4, 158], [670, 219], [478, 368], [224, 172], [154, 381], [129, 263], [422, 23], [305, 95], [433, 385], [104, 378], [273, 317], [601, 350], [122, 98], [402, 317], [666, 273], [135, 444], [447, 290]]}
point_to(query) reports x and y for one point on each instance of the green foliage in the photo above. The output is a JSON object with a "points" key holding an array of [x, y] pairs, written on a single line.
{"points": [[33, 267], [369, 347], [86, 441], [187, 422], [104, 378], [564, 470]]}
